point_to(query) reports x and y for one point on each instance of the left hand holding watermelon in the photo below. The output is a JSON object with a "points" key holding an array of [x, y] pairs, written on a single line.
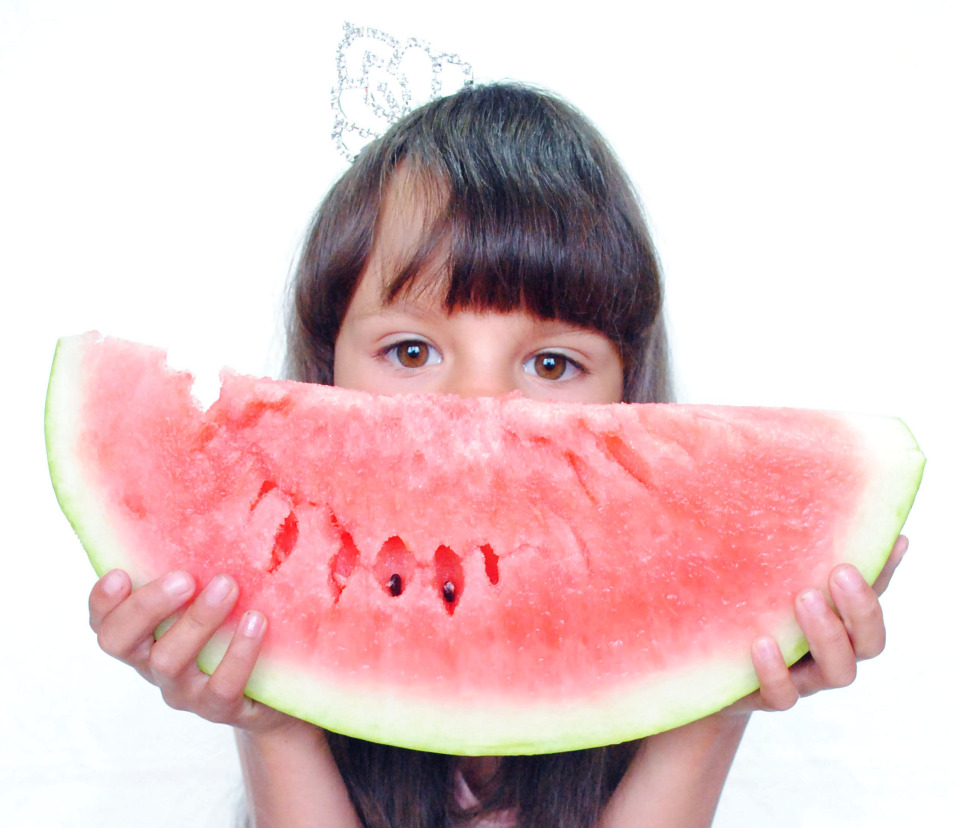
{"points": [[838, 639], [698, 756]]}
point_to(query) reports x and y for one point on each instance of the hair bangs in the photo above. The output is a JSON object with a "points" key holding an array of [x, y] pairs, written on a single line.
{"points": [[505, 240]]}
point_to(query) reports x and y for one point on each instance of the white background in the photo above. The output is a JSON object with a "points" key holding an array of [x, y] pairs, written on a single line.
{"points": [[159, 163]]}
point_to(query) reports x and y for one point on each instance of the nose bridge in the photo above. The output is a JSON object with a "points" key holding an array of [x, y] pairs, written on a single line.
{"points": [[484, 379], [484, 355]]}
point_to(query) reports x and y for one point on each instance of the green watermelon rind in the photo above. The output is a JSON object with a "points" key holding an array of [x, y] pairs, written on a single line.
{"points": [[653, 705]]}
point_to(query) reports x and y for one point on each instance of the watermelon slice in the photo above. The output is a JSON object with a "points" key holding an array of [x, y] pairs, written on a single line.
{"points": [[484, 576]]}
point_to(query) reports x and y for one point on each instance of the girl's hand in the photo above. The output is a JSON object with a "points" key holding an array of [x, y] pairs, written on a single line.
{"points": [[686, 767], [124, 620], [839, 637], [288, 770]]}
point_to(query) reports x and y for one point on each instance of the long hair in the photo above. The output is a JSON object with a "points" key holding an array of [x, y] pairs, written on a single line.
{"points": [[398, 788], [530, 210]]}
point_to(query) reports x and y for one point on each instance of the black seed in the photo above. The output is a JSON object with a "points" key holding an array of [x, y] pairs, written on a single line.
{"points": [[449, 592], [395, 585]]}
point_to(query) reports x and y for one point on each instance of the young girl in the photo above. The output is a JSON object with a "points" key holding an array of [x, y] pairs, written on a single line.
{"points": [[488, 243]]}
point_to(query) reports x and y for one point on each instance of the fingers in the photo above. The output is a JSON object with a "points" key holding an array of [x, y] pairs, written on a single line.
{"points": [[839, 636], [172, 660], [124, 620], [106, 594], [777, 688], [218, 697], [831, 662], [830, 645], [859, 609], [177, 649], [222, 693]]}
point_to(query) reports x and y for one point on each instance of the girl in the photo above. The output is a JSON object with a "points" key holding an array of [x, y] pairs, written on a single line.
{"points": [[488, 243]]}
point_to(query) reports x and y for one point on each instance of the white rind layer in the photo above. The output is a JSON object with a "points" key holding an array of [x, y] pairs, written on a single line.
{"points": [[82, 500], [79, 499], [893, 481], [467, 726]]}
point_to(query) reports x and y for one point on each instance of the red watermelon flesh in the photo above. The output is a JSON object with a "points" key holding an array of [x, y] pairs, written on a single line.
{"points": [[475, 576]]}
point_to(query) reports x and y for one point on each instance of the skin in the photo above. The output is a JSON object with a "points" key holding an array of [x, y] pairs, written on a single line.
{"points": [[413, 345]]}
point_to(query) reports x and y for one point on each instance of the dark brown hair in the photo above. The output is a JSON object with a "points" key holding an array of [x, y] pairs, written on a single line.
{"points": [[532, 211]]}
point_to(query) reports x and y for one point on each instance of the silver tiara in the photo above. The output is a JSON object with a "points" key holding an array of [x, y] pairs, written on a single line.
{"points": [[380, 79]]}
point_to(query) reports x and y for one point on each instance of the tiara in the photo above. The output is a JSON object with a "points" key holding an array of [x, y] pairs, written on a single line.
{"points": [[380, 79]]}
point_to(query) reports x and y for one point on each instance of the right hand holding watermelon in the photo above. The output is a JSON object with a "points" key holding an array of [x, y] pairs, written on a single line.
{"points": [[124, 620]]}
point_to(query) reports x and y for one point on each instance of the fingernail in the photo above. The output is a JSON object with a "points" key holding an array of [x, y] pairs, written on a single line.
{"points": [[218, 589], [767, 649], [848, 579], [252, 624], [814, 601], [177, 583], [112, 582]]}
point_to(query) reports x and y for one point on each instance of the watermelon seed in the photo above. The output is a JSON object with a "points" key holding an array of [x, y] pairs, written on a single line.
{"points": [[394, 566], [448, 576]]}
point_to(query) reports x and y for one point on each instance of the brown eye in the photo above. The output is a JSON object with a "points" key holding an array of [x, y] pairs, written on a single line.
{"points": [[550, 366], [412, 353]]}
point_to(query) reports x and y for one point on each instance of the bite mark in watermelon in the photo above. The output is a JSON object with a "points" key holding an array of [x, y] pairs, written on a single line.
{"points": [[484, 576]]}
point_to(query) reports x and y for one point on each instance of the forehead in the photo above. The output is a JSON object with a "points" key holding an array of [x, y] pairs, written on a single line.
{"points": [[411, 203], [411, 244]]}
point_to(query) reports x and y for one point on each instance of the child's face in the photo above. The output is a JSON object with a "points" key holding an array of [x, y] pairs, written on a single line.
{"points": [[412, 345]]}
